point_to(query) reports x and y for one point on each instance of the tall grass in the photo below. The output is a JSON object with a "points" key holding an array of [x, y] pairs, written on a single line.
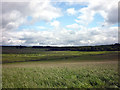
{"points": [[61, 75], [61, 69]]}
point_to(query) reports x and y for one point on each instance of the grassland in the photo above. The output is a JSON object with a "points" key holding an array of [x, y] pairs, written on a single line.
{"points": [[60, 56], [61, 69]]}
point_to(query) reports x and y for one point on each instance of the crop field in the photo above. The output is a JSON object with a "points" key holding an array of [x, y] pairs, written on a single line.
{"points": [[60, 69]]}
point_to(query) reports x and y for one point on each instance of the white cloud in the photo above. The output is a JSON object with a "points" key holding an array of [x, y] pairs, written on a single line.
{"points": [[74, 26], [71, 11], [41, 27], [44, 11], [73, 2], [17, 13], [11, 20], [86, 36], [55, 23], [86, 17], [107, 9]]}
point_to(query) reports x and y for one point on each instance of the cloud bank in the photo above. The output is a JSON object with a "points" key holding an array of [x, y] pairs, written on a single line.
{"points": [[15, 14]]}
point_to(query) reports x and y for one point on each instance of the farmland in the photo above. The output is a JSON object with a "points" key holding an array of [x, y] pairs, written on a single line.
{"points": [[37, 68]]}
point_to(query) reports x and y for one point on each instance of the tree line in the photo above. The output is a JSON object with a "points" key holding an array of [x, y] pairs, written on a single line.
{"points": [[112, 47]]}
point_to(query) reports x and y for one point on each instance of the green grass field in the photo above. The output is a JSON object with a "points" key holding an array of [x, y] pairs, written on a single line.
{"points": [[61, 69], [60, 55]]}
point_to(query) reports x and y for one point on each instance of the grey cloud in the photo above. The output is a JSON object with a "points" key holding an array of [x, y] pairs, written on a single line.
{"points": [[112, 16], [22, 7]]}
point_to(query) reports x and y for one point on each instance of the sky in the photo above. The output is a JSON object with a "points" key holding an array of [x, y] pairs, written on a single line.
{"points": [[59, 23]]}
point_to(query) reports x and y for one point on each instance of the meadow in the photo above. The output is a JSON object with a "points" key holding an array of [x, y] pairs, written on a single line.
{"points": [[60, 69]]}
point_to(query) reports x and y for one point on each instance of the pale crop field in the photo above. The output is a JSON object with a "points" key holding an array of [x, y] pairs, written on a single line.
{"points": [[61, 75], [90, 70]]}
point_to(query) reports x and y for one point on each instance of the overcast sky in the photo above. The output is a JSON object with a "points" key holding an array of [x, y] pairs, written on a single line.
{"points": [[80, 22]]}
